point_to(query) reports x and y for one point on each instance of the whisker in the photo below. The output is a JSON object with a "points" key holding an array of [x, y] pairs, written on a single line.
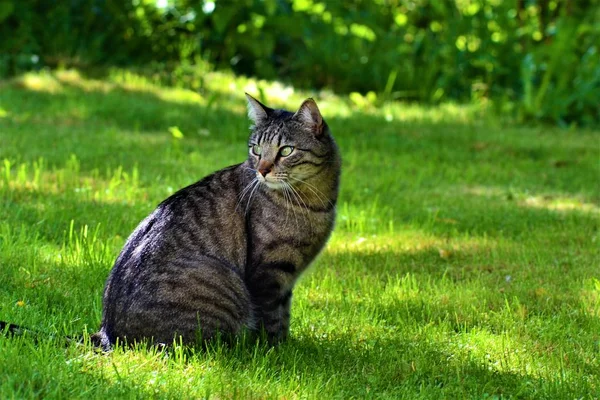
{"points": [[257, 184], [248, 187], [299, 195], [289, 205], [315, 191], [287, 211], [289, 190]]}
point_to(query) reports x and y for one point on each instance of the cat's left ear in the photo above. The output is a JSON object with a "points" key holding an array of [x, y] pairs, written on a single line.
{"points": [[309, 115], [257, 111]]}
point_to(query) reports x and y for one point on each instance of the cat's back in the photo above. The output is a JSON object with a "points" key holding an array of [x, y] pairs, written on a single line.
{"points": [[198, 221], [201, 219]]}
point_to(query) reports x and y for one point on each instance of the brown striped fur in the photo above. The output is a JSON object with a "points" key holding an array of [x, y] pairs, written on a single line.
{"points": [[223, 254]]}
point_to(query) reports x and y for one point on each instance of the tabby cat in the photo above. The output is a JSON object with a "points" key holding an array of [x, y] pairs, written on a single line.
{"points": [[222, 255]]}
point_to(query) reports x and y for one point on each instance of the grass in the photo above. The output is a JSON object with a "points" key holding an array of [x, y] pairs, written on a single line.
{"points": [[465, 262]]}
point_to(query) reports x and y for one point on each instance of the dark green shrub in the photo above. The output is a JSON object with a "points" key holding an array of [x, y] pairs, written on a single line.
{"points": [[536, 57]]}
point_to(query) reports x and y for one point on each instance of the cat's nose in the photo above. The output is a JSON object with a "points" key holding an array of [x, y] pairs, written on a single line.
{"points": [[264, 167]]}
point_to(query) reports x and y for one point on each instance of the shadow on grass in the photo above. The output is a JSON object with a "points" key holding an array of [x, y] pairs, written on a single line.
{"points": [[401, 366]]}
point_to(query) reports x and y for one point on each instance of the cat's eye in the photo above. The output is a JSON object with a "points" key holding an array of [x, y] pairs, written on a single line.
{"points": [[286, 151], [256, 150]]}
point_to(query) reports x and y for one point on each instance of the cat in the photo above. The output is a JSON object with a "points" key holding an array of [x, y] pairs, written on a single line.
{"points": [[221, 256]]}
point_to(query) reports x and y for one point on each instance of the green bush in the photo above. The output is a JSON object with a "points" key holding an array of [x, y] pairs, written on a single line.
{"points": [[538, 58]]}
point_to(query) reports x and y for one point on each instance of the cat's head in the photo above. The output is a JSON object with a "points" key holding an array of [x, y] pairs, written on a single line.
{"points": [[287, 148]]}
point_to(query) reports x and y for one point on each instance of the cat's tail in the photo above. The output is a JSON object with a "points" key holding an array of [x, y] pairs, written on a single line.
{"points": [[100, 340], [8, 329], [11, 330]]}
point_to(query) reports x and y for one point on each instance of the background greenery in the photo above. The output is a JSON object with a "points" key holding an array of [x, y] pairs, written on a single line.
{"points": [[531, 59]]}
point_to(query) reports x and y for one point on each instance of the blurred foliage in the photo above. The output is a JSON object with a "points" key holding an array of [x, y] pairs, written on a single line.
{"points": [[535, 59]]}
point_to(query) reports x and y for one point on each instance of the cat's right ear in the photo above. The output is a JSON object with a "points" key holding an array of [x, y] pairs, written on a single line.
{"points": [[310, 116], [257, 111]]}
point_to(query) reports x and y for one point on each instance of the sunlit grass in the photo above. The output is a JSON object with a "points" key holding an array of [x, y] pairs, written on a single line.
{"points": [[465, 261]]}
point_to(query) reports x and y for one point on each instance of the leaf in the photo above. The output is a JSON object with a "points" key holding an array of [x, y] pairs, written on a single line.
{"points": [[177, 134]]}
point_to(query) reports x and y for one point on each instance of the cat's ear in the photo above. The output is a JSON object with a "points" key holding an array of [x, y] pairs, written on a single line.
{"points": [[309, 115], [257, 111]]}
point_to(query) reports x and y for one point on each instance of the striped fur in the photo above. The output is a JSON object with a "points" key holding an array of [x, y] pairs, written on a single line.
{"points": [[223, 254]]}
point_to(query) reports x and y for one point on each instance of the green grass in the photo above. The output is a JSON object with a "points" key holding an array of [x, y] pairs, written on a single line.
{"points": [[465, 262]]}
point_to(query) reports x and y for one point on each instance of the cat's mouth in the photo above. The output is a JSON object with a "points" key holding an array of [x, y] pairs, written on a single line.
{"points": [[271, 182], [275, 185]]}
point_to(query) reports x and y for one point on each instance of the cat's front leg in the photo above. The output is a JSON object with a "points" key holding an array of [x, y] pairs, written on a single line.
{"points": [[274, 317], [272, 301], [279, 331]]}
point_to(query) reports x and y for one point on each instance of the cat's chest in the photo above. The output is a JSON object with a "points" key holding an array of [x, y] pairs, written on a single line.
{"points": [[277, 216], [283, 232]]}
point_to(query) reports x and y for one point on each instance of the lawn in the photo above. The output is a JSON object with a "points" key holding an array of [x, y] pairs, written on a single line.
{"points": [[465, 262]]}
